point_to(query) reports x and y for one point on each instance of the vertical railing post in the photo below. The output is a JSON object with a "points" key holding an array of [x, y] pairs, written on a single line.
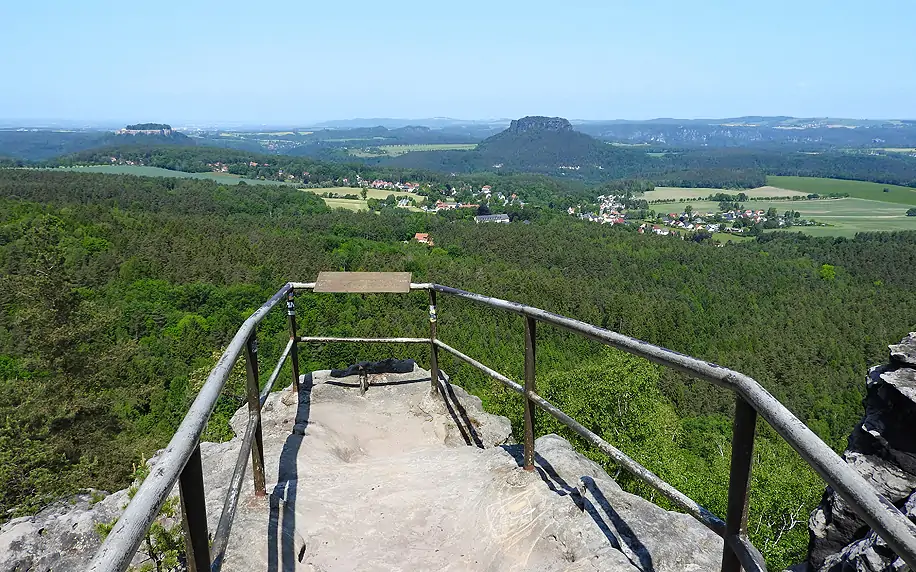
{"points": [[294, 350], [530, 386], [254, 409], [433, 349], [194, 514], [739, 481]]}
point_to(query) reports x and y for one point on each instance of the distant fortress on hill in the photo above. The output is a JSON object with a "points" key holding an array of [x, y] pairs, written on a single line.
{"points": [[147, 129]]}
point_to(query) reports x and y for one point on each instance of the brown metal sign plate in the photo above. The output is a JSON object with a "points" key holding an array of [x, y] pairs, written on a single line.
{"points": [[363, 282]]}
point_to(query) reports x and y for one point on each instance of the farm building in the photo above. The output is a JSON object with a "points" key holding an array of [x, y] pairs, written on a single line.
{"points": [[492, 218]]}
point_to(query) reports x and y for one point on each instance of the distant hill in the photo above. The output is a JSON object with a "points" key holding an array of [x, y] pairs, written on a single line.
{"points": [[542, 143], [810, 133], [158, 130], [757, 131], [149, 127], [534, 144], [40, 144]]}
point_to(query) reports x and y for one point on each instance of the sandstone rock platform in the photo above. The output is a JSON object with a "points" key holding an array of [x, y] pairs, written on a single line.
{"points": [[402, 479]]}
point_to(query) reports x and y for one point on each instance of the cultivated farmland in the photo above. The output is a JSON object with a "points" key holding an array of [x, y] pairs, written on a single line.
{"points": [[370, 193], [846, 216], [144, 171], [677, 193], [855, 189], [349, 204], [395, 150]]}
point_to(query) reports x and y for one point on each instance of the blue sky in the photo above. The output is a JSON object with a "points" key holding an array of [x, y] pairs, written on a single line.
{"points": [[299, 61]]}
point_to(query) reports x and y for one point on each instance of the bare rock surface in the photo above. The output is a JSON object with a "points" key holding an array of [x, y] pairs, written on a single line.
{"points": [[904, 353], [883, 450], [60, 537], [402, 479]]}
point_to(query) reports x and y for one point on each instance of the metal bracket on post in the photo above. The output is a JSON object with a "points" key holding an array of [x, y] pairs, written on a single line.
{"points": [[294, 349], [530, 387], [433, 349], [254, 410], [194, 514], [739, 483]]}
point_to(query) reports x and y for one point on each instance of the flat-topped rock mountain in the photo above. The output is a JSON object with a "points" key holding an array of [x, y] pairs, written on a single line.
{"points": [[539, 123], [545, 144], [401, 479]]}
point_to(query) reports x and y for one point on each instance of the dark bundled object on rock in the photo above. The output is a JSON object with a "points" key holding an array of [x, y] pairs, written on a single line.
{"points": [[389, 365]]}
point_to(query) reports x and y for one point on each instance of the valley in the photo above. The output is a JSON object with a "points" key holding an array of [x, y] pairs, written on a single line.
{"points": [[395, 150], [616, 235], [636, 281], [869, 207], [159, 271]]}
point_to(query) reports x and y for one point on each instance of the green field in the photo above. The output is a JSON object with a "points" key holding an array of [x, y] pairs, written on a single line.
{"points": [[349, 204], [360, 204], [370, 193], [855, 189], [729, 237], [159, 172], [677, 193], [395, 150], [847, 216]]}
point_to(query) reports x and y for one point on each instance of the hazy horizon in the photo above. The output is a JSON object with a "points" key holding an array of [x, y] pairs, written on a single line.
{"points": [[52, 122], [293, 63]]}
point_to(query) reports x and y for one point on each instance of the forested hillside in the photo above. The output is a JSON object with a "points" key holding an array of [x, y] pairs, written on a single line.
{"points": [[118, 291], [683, 167], [37, 145]]}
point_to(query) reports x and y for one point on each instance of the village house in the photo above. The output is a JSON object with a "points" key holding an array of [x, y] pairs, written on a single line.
{"points": [[423, 238]]}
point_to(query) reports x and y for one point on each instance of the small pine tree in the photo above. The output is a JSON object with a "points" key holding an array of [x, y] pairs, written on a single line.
{"points": [[163, 545]]}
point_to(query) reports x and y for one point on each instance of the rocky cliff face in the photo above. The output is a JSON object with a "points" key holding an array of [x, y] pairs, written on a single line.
{"points": [[538, 123], [883, 450]]}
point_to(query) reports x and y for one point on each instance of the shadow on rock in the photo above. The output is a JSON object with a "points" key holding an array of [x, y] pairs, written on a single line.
{"points": [[618, 533], [281, 527]]}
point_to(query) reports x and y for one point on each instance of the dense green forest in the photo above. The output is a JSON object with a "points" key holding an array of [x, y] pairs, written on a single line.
{"points": [[529, 153], [687, 167], [119, 291]]}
